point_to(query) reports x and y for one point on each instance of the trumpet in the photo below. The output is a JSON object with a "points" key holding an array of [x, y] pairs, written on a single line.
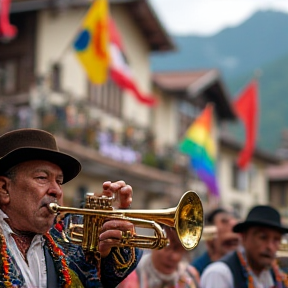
{"points": [[209, 232], [186, 218]]}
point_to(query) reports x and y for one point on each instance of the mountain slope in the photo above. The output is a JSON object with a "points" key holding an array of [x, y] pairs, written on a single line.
{"points": [[261, 39]]}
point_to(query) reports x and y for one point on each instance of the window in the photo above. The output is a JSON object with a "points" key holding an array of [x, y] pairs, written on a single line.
{"points": [[107, 97], [56, 77], [8, 76], [237, 209], [240, 178], [278, 194], [17, 58]]}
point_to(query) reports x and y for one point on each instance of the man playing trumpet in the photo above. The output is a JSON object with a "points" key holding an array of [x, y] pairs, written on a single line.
{"points": [[33, 253]]}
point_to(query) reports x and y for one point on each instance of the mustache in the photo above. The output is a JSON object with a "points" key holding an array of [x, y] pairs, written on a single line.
{"points": [[46, 202]]}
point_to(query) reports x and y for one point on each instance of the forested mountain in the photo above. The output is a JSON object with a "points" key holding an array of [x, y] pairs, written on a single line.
{"points": [[260, 43]]}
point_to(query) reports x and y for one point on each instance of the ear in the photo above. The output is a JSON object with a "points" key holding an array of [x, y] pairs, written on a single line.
{"points": [[4, 190]]}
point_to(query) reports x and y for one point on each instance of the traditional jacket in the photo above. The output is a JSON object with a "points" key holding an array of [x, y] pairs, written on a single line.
{"points": [[66, 265]]}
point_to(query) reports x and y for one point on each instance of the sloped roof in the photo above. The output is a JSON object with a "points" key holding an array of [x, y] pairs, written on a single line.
{"points": [[227, 140], [140, 10], [149, 23], [196, 83]]}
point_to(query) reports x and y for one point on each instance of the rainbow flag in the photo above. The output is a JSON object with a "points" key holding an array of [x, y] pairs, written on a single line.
{"points": [[91, 43], [199, 144]]}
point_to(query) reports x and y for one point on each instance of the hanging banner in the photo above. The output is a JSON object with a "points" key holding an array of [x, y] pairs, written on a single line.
{"points": [[7, 31]]}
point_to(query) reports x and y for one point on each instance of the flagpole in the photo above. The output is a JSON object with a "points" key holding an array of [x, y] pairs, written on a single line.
{"points": [[68, 45]]}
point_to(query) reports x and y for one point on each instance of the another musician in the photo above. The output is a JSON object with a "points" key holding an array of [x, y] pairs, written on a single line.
{"points": [[253, 265]]}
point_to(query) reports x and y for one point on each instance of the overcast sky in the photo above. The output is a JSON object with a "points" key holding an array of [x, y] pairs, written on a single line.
{"points": [[206, 17]]}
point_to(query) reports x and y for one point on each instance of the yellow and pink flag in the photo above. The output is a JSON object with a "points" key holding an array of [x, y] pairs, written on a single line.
{"points": [[91, 43]]}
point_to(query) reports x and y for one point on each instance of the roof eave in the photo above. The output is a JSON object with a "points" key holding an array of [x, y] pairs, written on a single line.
{"points": [[258, 153], [209, 84], [140, 10], [212, 80]]}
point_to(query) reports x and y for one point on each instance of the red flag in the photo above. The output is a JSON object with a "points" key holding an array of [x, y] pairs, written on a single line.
{"points": [[119, 69], [246, 108], [7, 31]]}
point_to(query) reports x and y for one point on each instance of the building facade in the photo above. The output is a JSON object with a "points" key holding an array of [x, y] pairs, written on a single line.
{"points": [[42, 85]]}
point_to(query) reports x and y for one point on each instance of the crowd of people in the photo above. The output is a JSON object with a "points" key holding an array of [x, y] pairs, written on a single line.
{"points": [[35, 253]]}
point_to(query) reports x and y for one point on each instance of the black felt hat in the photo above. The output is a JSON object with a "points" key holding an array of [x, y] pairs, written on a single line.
{"points": [[262, 215], [33, 144]]}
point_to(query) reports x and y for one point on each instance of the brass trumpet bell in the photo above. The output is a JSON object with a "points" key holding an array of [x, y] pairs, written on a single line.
{"points": [[186, 218]]}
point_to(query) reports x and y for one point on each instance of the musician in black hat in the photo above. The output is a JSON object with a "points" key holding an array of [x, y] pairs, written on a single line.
{"points": [[253, 265], [33, 252]]}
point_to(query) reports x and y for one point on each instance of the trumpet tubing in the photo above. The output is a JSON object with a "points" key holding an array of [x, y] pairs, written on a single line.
{"points": [[186, 218], [209, 232]]}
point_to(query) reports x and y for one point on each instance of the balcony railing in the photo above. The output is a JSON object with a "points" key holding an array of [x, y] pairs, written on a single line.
{"points": [[132, 144]]}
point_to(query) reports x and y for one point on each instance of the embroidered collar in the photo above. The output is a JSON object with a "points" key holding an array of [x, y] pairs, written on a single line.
{"points": [[10, 273]]}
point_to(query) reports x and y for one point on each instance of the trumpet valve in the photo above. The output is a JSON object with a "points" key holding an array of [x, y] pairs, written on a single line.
{"points": [[126, 236], [99, 202]]}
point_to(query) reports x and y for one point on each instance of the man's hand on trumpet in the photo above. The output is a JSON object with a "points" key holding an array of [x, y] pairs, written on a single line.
{"points": [[112, 230], [120, 191]]}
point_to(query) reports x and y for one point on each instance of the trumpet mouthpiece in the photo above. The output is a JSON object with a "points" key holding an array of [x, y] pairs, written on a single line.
{"points": [[53, 207]]}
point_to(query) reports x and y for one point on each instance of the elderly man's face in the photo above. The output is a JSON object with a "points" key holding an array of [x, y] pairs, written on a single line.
{"points": [[35, 184], [261, 245]]}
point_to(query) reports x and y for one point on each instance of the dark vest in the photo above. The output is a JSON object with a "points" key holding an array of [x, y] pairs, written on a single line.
{"points": [[52, 279], [239, 275]]}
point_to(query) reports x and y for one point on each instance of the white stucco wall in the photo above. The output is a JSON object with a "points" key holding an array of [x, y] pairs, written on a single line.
{"points": [[257, 193], [164, 119], [55, 35]]}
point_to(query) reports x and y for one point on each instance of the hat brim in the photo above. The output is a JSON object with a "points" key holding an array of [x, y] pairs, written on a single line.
{"points": [[242, 226], [69, 165]]}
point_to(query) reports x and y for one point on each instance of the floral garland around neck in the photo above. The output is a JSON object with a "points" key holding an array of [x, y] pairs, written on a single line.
{"points": [[60, 262], [7, 271], [280, 276], [9, 278]]}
